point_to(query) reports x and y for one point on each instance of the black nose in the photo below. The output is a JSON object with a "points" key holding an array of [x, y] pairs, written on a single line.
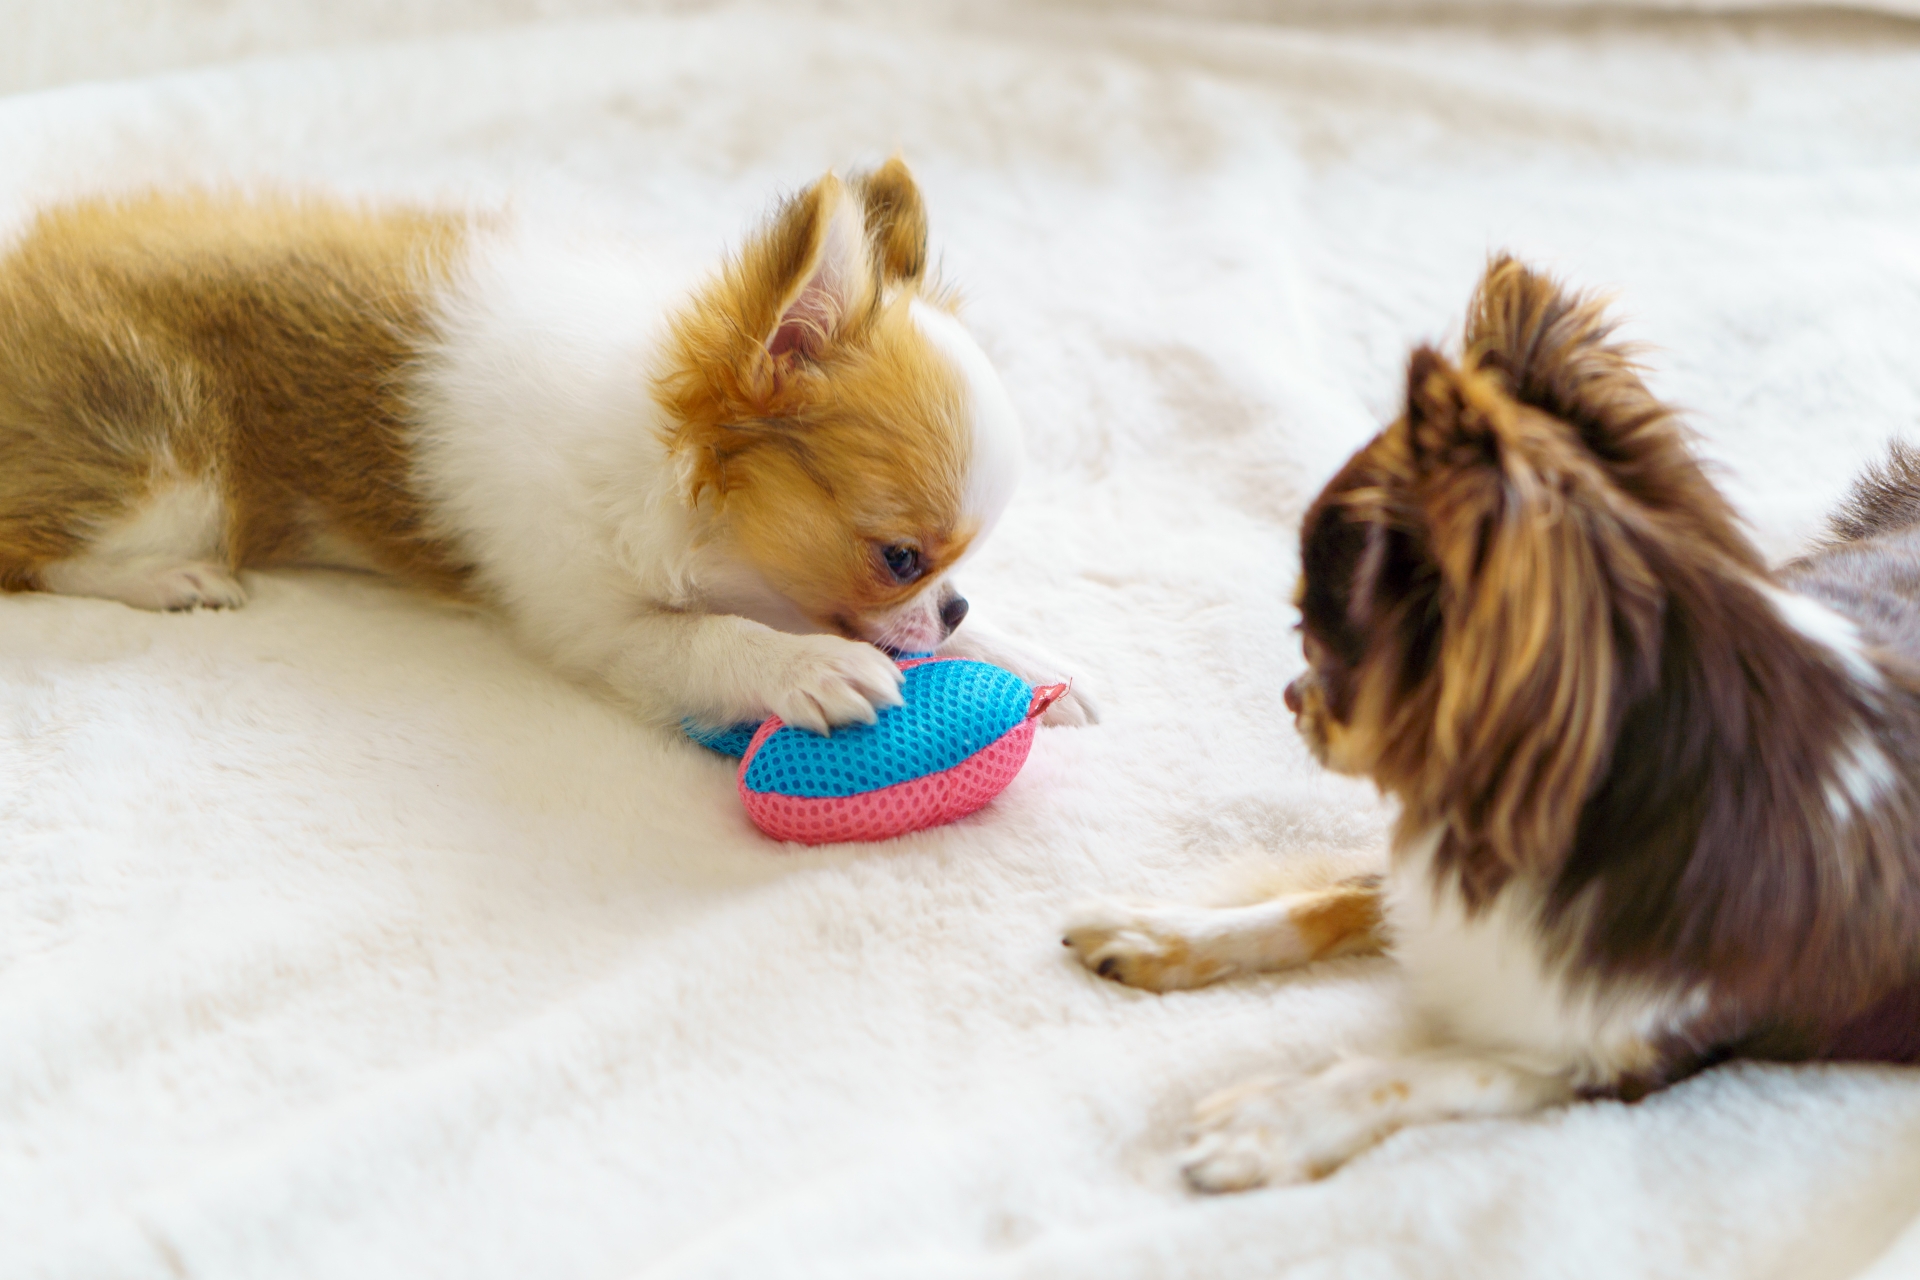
{"points": [[952, 611]]}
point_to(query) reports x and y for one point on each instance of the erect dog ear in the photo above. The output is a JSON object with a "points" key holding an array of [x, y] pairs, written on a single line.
{"points": [[896, 220], [1453, 419], [742, 365], [1540, 588], [1553, 349], [820, 241]]}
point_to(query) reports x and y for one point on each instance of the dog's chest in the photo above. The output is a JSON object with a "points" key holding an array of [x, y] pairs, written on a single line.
{"points": [[1490, 979]]}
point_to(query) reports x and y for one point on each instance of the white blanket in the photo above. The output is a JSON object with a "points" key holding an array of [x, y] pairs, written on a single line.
{"points": [[339, 939]]}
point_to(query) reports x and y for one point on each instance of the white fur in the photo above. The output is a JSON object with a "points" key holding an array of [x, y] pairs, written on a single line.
{"points": [[165, 554], [1521, 1032], [1830, 630], [998, 446], [1272, 1129], [1031, 663], [1861, 772], [543, 455], [993, 468], [1174, 946], [1861, 775], [1488, 980]]}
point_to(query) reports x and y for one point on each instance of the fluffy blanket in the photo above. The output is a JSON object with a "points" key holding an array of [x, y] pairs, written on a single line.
{"points": [[337, 938]]}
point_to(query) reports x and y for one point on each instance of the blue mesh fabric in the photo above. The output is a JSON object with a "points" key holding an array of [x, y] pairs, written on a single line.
{"points": [[731, 740], [953, 709]]}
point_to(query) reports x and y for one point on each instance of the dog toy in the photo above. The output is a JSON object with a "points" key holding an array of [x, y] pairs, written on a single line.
{"points": [[961, 734]]}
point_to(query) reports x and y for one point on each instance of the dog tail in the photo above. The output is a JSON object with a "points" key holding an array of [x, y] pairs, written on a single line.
{"points": [[1885, 497]]}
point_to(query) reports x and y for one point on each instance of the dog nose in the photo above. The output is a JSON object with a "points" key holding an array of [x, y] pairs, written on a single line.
{"points": [[1292, 696], [952, 611]]}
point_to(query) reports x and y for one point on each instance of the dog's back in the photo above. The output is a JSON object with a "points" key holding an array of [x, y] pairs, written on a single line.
{"points": [[1868, 569]]}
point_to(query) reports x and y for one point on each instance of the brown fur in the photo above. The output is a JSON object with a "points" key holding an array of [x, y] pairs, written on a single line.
{"points": [[1885, 499], [254, 344], [824, 433], [1693, 791], [1528, 594]]}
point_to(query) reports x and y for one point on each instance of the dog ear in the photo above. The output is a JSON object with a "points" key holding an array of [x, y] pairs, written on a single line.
{"points": [[743, 363], [1540, 589], [1553, 349], [1453, 419], [896, 220], [820, 242]]}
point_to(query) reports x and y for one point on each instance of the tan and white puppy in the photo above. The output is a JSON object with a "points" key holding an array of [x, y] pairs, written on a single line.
{"points": [[717, 497]]}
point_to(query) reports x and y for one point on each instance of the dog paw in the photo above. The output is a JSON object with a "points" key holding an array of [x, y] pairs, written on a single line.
{"points": [[146, 582], [1269, 1130], [197, 585], [1075, 709], [828, 681], [1078, 707], [1274, 1131], [1265, 1132], [1137, 946]]}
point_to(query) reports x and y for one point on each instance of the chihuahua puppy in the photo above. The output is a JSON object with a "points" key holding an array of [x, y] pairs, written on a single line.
{"points": [[1658, 804], [720, 498]]}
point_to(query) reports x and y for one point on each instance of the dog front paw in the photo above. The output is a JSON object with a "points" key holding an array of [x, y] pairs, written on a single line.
{"points": [[1138, 946], [828, 681], [1267, 1132], [1271, 1131], [1076, 708], [198, 585]]}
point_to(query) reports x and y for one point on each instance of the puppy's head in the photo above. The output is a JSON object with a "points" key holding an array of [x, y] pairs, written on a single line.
{"points": [[1483, 585], [847, 438]]}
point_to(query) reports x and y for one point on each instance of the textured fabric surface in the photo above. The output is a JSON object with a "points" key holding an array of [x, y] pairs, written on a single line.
{"points": [[918, 802], [728, 740], [337, 939], [952, 709]]}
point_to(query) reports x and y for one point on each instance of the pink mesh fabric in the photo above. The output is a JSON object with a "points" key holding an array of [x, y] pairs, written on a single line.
{"points": [[891, 811]]}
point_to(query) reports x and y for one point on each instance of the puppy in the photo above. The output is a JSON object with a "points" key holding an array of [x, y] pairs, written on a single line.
{"points": [[1658, 805], [720, 498]]}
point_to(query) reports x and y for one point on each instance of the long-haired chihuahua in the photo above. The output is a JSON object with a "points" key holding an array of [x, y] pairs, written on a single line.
{"points": [[1657, 802], [714, 493]]}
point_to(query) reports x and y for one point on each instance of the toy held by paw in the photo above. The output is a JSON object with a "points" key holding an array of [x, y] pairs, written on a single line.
{"points": [[961, 735]]}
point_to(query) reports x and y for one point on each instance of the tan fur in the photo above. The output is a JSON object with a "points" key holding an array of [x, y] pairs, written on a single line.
{"points": [[1515, 513], [253, 344], [1347, 919], [1526, 664], [816, 457], [1178, 948]]}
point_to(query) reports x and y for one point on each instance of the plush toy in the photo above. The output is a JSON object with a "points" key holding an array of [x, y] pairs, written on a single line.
{"points": [[964, 730]]}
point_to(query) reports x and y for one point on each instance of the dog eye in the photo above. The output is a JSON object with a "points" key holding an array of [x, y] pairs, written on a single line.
{"points": [[903, 562]]}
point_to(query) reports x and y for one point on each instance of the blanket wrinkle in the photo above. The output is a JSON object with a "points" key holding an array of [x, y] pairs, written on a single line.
{"points": [[337, 938]]}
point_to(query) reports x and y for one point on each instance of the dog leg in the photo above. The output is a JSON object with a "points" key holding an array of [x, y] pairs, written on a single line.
{"points": [[146, 582], [1035, 666], [1275, 1131], [165, 550], [722, 669], [1171, 948]]}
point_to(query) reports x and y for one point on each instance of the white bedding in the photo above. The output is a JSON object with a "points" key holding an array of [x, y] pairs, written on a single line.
{"points": [[339, 939]]}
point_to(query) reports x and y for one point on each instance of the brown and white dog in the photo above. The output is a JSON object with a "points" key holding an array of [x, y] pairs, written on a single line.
{"points": [[1658, 804], [715, 494]]}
